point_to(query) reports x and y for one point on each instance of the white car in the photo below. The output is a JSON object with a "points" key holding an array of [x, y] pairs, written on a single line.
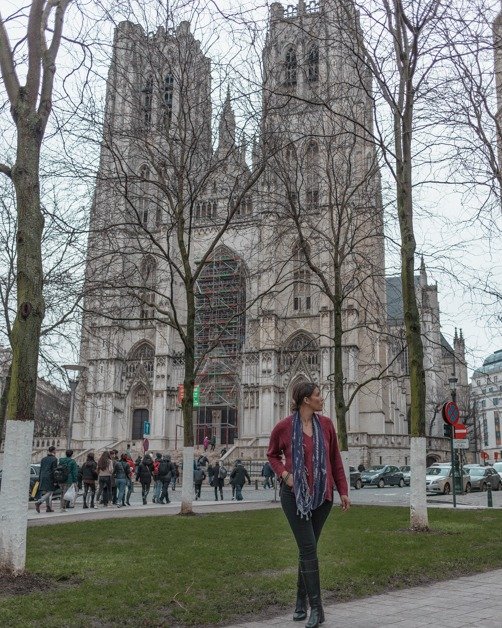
{"points": [[438, 480], [498, 467]]}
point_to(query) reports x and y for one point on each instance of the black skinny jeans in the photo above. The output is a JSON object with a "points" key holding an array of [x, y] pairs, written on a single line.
{"points": [[306, 531]]}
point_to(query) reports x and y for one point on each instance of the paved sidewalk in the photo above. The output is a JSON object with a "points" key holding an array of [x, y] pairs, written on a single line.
{"points": [[469, 601]]}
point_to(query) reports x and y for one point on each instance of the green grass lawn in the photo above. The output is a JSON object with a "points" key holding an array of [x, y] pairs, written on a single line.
{"points": [[169, 571]]}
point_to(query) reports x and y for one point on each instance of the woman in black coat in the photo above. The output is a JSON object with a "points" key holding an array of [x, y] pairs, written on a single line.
{"points": [[88, 475], [144, 475]]}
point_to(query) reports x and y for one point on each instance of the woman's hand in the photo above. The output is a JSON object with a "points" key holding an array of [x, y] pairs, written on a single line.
{"points": [[344, 502], [288, 478]]}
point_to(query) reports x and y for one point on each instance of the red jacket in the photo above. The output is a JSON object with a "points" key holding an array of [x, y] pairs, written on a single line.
{"points": [[281, 445]]}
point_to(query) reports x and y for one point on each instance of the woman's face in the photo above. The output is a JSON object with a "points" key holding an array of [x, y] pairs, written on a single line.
{"points": [[315, 401]]}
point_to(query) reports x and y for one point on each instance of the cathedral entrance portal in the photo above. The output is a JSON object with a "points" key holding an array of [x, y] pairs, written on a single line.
{"points": [[138, 419]]}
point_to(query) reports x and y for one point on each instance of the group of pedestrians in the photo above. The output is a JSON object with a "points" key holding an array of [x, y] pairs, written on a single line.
{"points": [[110, 479], [216, 475]]}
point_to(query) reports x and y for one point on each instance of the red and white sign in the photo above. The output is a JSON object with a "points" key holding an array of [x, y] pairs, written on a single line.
{"points": [[460, 430], [484, 455], [181, 393]]}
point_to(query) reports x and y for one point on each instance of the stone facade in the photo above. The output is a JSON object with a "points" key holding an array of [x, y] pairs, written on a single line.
{"points": [[283, 321]]}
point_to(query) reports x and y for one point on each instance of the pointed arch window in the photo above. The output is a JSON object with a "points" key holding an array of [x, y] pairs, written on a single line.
{"points": [[301, 345], [148, 278], [290, 67], [147, 101], [312, 176], [302, 277], [168, 99], [313, 64], [142, 355]]}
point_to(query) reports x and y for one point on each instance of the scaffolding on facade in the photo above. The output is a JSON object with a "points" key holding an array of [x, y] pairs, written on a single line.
{"points": [[220, 325]]}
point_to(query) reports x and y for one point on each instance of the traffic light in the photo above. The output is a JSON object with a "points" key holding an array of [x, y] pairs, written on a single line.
{"points": [[447, 430]]}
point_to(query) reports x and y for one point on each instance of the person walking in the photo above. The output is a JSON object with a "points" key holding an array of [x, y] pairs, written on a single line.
{"points": [[130, 479], [312, 468], [166, 470], [105, 472], [66, 475], [219, 475], [213, 442], [175, 476], [267, 474], [121, 472], [205, 443], [88, 475], [114, 456], [238, 476], [157, 482], [46, 484], [210, 474], [144, 473], [198, 477]]}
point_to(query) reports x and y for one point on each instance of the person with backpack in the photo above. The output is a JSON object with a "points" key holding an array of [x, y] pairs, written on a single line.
{"points": [[198, 477], [166, 470], [66, 475], [157, 482], [46, 484], [238, 476], [210, 474], [87, 477], [213, 442], [144, 473], [219, 475]]}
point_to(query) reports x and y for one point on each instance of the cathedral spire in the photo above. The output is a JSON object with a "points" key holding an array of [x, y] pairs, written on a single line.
{"points": [[227, 126], [423, 273]]}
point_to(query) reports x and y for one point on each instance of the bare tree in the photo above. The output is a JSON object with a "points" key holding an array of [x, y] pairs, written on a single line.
{"points": [[30, 106]]}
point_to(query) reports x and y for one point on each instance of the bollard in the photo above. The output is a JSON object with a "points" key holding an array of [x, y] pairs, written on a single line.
{"points": [[489, 495], [256, 485]]}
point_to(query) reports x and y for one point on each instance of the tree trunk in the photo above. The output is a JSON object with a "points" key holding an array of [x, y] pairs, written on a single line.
{"points": [[187, 491], [25, 344], [418, 505]]}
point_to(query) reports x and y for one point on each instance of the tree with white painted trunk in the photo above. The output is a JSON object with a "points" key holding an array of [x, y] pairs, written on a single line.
{"points": [[30, 106]]}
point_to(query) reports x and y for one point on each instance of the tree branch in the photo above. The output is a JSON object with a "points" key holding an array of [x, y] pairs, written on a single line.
{"points": [[7, 65], [6, 170]]}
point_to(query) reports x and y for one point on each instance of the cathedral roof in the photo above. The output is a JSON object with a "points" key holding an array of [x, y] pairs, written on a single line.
{"points": [[395, 315]]}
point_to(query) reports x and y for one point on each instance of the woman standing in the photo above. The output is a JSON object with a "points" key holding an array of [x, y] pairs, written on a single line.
{"points": [[89, 474], [105, 470], [311, 469], [121, 471]]}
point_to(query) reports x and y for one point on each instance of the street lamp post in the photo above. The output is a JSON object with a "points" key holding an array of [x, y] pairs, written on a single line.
{"points": [[73, 371], [453, 391]]}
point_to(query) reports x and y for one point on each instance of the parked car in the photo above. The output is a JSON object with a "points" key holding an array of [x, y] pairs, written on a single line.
{"points": [[480, 476], [498, 467], [406, 470], [355, 478], [382, 474], [34, 471], [438, 479]]}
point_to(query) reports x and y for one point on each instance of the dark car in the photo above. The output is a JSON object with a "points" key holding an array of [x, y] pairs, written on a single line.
{"points": [[481, 476], [355, 478], [34, 471], [382, 474]]}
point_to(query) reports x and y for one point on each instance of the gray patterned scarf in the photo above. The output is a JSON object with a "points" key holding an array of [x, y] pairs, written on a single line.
{"points": [[306, 501]]}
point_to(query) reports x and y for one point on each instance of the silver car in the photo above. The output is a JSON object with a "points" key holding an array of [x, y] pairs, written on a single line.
{"points": [[480, 476], [406, 471], [438, 479]]}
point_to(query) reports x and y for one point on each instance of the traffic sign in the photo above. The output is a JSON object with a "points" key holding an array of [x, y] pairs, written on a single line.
{"points": [[451, 413], [460, 430], [484, 455], [460, 443]]}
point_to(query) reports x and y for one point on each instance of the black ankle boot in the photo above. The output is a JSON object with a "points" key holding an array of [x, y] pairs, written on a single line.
{"points": [[310, 573], [301, 599]]}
